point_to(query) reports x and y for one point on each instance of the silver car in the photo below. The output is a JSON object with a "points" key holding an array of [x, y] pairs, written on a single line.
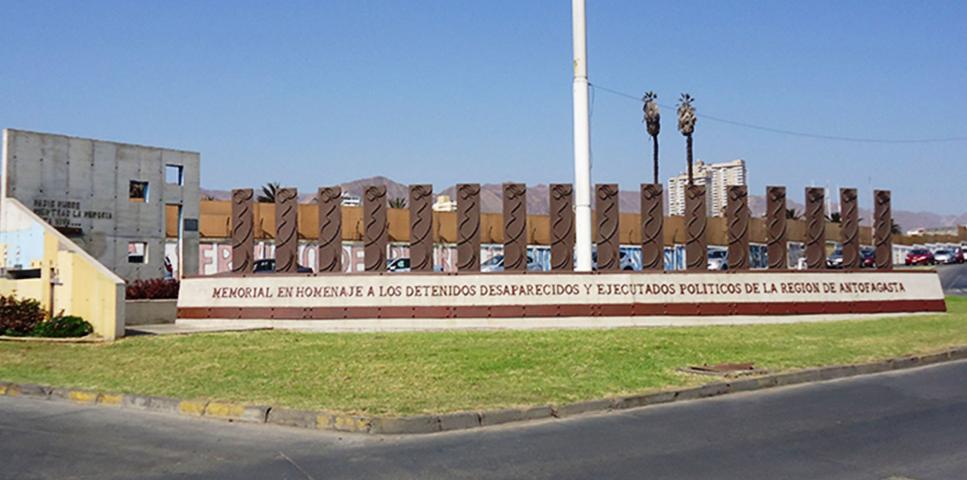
{"points": [[944, 255]]}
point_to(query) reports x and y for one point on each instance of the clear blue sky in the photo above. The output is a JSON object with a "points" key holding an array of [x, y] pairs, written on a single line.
{"points": [[316, 93]]}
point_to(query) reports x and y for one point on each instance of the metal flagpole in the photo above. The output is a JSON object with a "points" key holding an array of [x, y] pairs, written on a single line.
{"points": [[582, 139]]}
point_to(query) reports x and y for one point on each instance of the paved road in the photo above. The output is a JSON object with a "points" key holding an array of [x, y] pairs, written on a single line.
{"points": [[910, 424], [953, 278]]}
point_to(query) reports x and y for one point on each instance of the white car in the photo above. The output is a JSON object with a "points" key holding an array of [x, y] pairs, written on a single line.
{"points": [[718, 259]]}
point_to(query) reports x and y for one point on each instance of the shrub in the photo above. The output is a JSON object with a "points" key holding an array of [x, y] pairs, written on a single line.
{"points": [[152, 289], [63, 326], [19, 317]]}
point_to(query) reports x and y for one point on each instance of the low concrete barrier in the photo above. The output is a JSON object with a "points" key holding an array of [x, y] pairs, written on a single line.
{"points": [[150, 312], [546, 299]]}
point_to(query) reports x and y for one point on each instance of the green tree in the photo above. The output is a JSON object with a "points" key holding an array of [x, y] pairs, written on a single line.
{"points": [[398, 202], [792, 214], [652, 122], [686, 125]]}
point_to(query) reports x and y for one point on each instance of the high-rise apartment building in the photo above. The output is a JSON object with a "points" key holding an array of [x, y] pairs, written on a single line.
{"points": [[717, 177]]}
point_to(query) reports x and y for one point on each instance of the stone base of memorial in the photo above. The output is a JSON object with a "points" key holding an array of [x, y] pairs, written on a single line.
{"points": [[548, 299]]}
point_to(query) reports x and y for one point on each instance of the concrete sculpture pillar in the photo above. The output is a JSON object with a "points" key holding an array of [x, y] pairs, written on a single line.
{"points": [[652, 223], [330, 229], [849, 222], [696, 221], [375, 231], [562, 226], [468, 227], [776, 233], [737, 214], [606, 213], [815, 228], [243, 234], [421, 228], [515, 227], [286, 230], [883, 229]]}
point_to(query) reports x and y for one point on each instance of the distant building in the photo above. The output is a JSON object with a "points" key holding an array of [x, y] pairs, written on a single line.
{"points": [[350, 200], [918, 232], [717, 177], [444, 204]]}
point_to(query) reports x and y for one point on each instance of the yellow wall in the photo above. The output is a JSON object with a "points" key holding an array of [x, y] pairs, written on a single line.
{"points": [[215, 223], [87, 293], [26, 288], [71, 281]]}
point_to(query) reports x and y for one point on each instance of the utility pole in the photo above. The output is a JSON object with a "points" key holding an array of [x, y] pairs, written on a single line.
{"points": [[582, 139]]}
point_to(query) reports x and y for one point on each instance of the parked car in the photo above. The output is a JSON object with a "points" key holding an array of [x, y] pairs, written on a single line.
{"points": [[835, 259], [496, 264], [958, 255], [267, 265], [626, 263], [867, 258], [718, 259], [920, 256], [402, 264], [944, 256]]}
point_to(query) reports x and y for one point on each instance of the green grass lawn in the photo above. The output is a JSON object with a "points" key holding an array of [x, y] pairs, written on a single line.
{"points": [[407, 373]]}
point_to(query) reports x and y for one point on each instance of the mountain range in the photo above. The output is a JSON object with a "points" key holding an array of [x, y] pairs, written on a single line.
{"points": [[628, 201]]}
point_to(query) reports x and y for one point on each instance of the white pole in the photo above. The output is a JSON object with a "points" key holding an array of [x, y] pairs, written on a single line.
{"points": [[582, 139]]}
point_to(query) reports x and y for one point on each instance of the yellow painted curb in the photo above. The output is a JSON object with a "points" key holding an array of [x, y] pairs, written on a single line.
{"points": [[349, 423], [222, 409], [192, 407], [324, 421], [3, 389], [111, 399], [80, 396]]}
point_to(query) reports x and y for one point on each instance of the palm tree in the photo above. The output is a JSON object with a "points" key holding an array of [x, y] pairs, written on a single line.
{"points": [[895, 228], [686, 125], [792, 214], [652, 121], [834, 217], [268, 192], [398, 202]]}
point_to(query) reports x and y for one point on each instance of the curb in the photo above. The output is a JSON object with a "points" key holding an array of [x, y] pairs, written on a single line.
{"points": [[423, 424], [85, 339]]}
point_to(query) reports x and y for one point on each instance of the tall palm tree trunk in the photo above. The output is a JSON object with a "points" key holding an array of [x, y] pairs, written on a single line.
{"points": [[688, 147], [654, 150]]}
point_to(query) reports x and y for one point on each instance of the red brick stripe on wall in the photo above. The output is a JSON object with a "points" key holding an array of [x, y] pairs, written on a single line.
{"points": [[544, 311]]}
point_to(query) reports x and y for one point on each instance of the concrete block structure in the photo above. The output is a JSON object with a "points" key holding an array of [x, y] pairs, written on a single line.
{"points": [[109, 198]]}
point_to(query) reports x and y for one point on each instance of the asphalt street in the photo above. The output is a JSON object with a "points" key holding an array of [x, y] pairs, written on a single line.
{"points": [[953, 278], [901, 425]]}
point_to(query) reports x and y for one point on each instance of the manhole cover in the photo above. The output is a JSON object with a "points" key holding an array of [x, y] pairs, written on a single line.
{"points": [[724, 369]]}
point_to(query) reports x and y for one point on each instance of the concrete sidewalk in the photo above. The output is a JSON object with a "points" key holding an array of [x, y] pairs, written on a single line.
{"points": [[528, 323], [182, 329]]}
